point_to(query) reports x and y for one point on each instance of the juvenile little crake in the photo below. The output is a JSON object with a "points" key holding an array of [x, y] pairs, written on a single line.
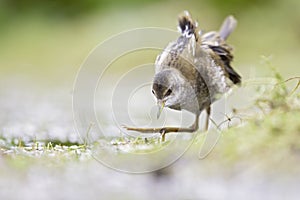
{"points": [[193, 72]]}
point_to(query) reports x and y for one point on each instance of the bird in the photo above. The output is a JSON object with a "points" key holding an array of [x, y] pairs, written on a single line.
{"points": [[193, 72]]}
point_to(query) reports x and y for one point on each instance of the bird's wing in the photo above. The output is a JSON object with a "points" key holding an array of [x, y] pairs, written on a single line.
{"points": [[215, 41]]}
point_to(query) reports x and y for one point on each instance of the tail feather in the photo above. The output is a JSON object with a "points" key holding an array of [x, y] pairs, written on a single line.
{"points": [[214, 40], [187, 25], [227, 27]]}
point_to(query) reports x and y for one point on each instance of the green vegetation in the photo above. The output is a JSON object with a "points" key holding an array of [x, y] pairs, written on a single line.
{"points": [[269, 136]]}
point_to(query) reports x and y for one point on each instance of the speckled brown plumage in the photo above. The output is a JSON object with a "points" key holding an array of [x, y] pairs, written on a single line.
{"points": [[194, 71]]}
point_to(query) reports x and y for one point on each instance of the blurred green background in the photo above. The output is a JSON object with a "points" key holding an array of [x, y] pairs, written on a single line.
{"points": [[46, 41]]}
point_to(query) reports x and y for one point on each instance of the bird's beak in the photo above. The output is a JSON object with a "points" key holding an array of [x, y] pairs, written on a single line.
{"points": [[161, 105]]}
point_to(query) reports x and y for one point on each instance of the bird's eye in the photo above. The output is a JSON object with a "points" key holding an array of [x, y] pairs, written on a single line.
{"points": [[168, 92], [153, 92]]}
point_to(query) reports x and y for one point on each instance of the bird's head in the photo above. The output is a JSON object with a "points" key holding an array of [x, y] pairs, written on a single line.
{"points": [[167, 88]]}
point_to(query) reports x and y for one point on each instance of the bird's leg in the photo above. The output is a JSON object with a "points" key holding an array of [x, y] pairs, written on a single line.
{"points": [[161, 129], [165, 130], [195, 125], [207, 118]]}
